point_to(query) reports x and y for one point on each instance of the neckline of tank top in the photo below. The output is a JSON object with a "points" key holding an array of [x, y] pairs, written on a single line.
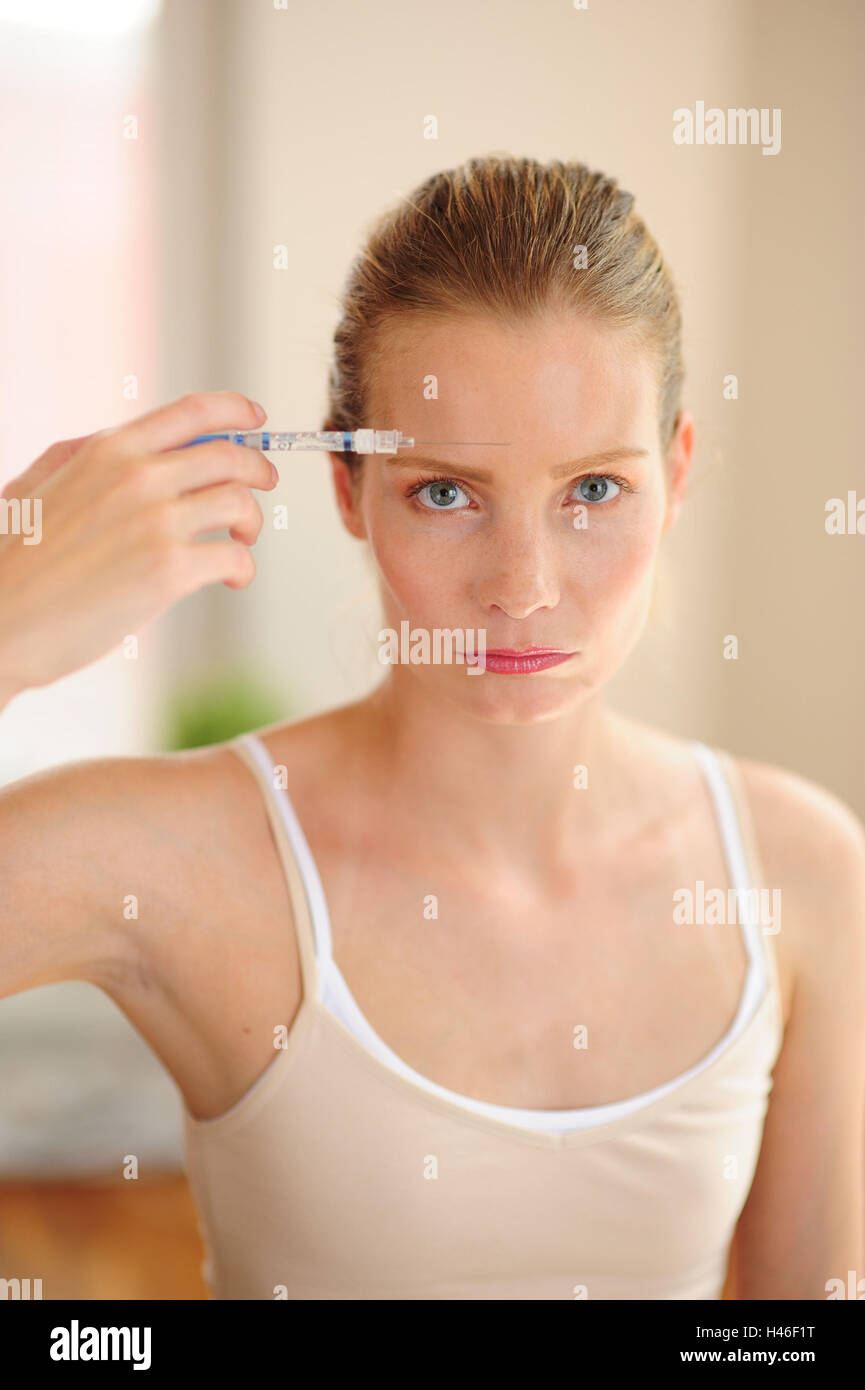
{"points": [[754, 1000], [754, 987]]}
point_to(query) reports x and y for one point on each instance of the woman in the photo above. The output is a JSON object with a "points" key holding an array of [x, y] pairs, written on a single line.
{"points": [[511, 1062]]}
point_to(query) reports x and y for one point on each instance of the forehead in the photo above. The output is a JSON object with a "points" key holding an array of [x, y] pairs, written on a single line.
{"points": [[554, 373]]}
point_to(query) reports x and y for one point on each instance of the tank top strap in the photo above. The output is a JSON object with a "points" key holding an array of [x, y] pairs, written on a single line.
{"points": [[755, 873], [251, 751]]}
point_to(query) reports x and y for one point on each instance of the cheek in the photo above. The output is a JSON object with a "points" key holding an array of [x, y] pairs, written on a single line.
{"points": [[417, 568], [616, 592], [616, 555], [628, 558], [419, 562], [613, 570]]}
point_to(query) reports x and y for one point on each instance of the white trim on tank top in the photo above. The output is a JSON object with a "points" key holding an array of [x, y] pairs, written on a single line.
{"points": [[336, 997]]}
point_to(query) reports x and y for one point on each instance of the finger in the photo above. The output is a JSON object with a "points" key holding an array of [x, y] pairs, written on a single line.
{"points": [[172, 426], [228, 505], [29, 483], [184, 470], [228, 562]]}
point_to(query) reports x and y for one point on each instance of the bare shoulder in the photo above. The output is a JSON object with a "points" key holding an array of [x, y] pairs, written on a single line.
{"points": [[806, 830], [812, 844], [205, 822], [135, 807], [201, 814], [313, 747], [156, 879], [88, 844]]}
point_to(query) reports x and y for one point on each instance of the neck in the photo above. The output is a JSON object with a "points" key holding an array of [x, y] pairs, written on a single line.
{"points": [[505, 792]]}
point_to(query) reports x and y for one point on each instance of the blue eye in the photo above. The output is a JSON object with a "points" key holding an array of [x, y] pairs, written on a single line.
{"points": [[442, 493], [602, 481]]}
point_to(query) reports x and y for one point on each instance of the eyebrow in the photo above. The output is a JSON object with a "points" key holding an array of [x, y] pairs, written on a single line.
{"points": [[562, 470]]}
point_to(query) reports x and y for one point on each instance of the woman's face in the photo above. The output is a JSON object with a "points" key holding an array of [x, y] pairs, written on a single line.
{"points": [[538, 542]]}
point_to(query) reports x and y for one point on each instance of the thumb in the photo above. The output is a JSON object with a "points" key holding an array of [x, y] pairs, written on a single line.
{"points": [[28, 483]]}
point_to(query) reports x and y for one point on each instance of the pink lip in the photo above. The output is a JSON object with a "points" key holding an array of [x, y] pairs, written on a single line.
{"points": [[513, 663]]}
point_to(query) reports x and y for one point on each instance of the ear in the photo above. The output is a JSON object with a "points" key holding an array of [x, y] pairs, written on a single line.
{"points": [[347, 491], [679, 459]]}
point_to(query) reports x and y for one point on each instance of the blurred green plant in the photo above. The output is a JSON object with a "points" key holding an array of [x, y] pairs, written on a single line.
{"points": [[219, 707]]}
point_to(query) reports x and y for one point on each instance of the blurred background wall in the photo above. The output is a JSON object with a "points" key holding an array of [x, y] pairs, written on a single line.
{"points": [[152, 258]]}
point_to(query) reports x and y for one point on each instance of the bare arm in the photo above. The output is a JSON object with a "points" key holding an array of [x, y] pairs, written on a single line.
{"points": [[67, 864], [804, 1221], [155, 879], [124, 515]]}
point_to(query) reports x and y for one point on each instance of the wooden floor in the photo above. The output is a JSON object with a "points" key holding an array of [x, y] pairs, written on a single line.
{"points": [[103, 1239], [108, 1240]]}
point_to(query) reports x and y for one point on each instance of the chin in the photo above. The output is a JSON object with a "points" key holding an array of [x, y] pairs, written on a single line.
{"points": [[497, 699]]}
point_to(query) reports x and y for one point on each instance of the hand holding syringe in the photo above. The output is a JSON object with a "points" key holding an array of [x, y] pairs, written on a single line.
{"points": [[126, 513]]}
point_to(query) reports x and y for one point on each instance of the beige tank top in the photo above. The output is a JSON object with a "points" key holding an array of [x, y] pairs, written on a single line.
{"points": [[339, 1176]]}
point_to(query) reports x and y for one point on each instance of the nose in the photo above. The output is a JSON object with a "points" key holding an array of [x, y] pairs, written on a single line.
{"points": [[520, 575]]}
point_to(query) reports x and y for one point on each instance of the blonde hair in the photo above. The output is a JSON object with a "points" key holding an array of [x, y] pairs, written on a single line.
{"points": [[503, 236]]}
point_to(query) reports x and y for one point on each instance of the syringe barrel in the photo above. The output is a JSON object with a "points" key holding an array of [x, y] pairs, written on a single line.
{"points": [[337, 441]]}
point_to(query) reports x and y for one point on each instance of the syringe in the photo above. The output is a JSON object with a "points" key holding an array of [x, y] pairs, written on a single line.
{"points": [[334, 441]]}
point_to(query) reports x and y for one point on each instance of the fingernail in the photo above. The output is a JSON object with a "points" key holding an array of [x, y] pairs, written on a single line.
{"points": [[259, 410], [273, 473]]}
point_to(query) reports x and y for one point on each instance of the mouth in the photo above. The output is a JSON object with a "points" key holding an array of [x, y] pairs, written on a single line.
{"points": [[509, 661]]}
